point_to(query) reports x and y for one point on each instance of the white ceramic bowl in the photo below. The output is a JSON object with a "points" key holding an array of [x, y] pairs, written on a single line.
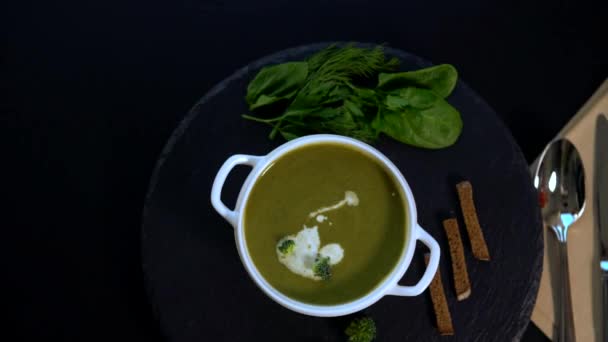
{"points": [[388, 286]]}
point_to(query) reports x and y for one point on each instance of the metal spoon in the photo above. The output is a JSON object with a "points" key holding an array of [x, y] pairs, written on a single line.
{"points": [[560, 180]]}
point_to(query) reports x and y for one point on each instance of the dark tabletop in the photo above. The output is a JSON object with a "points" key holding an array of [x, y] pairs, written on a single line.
{"points": [[89, 94]]}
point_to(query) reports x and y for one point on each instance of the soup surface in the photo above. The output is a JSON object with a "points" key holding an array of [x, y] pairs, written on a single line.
{"points": [[304, 188]]}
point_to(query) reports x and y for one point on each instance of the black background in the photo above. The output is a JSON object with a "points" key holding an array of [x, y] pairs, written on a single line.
{"points": [[91, 91]]}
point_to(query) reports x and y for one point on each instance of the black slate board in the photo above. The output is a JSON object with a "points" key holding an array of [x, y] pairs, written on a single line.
{"points": [[200, 291]]}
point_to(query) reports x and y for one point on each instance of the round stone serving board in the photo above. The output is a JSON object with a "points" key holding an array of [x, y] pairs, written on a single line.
{"points": [[200, 291]]}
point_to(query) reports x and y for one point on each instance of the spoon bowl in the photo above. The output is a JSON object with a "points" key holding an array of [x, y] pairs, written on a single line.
{"points": [[560, 181]]}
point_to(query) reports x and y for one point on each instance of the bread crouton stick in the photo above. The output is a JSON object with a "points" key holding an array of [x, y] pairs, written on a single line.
{"points": [[478, 243], [459, 265]]}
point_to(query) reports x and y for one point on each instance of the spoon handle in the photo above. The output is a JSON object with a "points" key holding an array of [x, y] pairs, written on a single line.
{"points": [[565, 329], [605, 301]]}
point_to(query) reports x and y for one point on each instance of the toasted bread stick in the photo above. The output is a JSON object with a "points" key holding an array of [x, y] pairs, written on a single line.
{"points": [[478, 243], [440, 304], [459, 265]]}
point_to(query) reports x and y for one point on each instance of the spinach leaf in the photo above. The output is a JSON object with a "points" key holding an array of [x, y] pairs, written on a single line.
{"points": [[322, 93], [345, 123], [367, 98], [345, 120], [353, 109], [441, 79], [275, 83], [429, 124], [288, 135], [412, 97]]}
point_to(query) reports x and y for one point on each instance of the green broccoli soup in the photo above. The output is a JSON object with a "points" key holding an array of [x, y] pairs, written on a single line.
{"points": [[325, 223]]}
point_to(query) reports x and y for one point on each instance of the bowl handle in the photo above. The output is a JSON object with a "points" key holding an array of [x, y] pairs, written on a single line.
{"points": [[231, 216], [430, 271]]}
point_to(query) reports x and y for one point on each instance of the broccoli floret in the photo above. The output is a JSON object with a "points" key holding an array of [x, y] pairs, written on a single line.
{"points": [[322, 268], [361, 330], [287, 246]]}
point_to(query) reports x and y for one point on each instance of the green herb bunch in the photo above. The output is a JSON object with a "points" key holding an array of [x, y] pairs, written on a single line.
{"points": [[361, 330], [349, 91]]}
